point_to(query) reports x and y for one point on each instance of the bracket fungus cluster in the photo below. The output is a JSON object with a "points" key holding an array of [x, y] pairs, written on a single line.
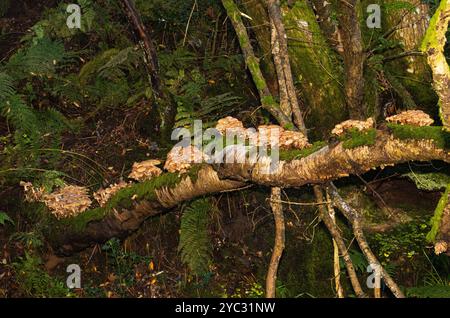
{"points": [[230, 124], [103, 195], [411, 117], [67, 201], [440, 247], [360, 125], [265, 135], [180, 159], [145, 170]]}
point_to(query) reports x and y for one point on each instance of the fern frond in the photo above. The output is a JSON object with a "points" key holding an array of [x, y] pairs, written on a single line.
{"points": [[40, 58], [195, 244], [6, 86], [218, 104], [126, 59], [19, 114], [23, 119]]}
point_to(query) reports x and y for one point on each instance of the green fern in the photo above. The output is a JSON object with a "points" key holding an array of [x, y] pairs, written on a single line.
{"points": [[22, 117], [429, 181], [41, 58], [6, 86], [195, 245], [117, 66]]}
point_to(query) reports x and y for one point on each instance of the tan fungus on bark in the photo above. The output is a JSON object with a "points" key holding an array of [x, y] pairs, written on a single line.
{"points": [[145, 170], [103, 195], [411, 117], [361, 125]]}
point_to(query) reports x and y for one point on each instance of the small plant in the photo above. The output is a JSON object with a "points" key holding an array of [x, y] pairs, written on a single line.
{"points": [[195, 244], [406, 240], [36, 282], [5, 218], [122, 262], [255, 290]]}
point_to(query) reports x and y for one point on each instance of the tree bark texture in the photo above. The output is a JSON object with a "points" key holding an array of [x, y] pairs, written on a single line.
{"points": [[353, 56], [277, 210], [433, 46]]}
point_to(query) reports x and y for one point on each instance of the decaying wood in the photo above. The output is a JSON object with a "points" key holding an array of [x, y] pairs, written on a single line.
{"points": [[124, 221], [324, 13], [354, 218], [277, 210], [330, 163], [324, 165], [337, 237]]}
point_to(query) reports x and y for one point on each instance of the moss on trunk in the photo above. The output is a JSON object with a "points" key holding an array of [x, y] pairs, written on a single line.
{"points": [[315, 66]]}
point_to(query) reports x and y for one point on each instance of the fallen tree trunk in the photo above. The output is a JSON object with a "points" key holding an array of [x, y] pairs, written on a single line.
{"points": [[128, 208]]}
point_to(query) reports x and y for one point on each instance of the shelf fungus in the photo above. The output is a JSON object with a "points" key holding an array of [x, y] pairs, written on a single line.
{"points": [[360, 125], [440, 247], [293, 140], [268, 134], [180, 159], [103, 195], [145, 170], [32, 194], [68, 201], [411, 117], [230, 125]]}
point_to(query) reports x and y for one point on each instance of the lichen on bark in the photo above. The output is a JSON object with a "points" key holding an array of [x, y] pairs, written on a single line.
{"points": [[433, 45]]}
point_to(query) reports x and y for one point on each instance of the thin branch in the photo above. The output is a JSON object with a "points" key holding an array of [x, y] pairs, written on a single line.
{"points": [[354, 218], [332, 228], [278, 248], [402, 55], [189, 21], [336, 267]]}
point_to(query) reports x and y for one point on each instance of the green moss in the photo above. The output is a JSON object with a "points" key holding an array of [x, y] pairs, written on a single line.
{"points": [[431, 39], [289, 126], [301, 153], [268, 100], [253, 66], [355, 138], [193, 172], [78, 223], [436, 133], [316, 69], [435, 221]]}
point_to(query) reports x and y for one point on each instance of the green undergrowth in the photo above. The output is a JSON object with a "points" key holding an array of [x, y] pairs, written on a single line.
{"points": [[355, 138], [33, 281], [436, 219], [435, 133], [434, 291]]}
